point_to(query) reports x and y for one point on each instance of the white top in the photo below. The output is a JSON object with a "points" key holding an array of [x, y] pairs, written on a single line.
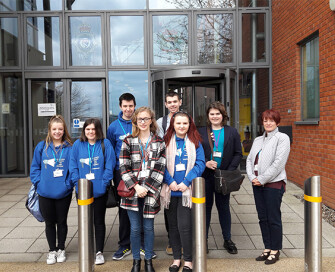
{"points": [[160, 126]]}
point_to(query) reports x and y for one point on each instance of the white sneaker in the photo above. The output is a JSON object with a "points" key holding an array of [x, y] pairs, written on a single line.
{"points": [[99, 258], [61, 257], [52, 257]]}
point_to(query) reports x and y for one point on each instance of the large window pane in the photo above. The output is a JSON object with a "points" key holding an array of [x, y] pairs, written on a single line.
{"points": [[170, 38], [253, 37], [9, 42], [127, 40], [189, 4], [86, 44], [105, 4], [135, 82], [253, 3], [310, 80], [86, 102], [11, 124], [215, 38], [43, 36], [31, 5]]}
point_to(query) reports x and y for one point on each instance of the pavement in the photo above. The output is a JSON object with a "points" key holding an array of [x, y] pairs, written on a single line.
{"points": [[23, 246]]}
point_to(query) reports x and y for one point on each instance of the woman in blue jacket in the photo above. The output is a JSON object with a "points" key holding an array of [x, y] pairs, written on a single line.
{"points": [[93, 158], [49, 174], [185, 161]]}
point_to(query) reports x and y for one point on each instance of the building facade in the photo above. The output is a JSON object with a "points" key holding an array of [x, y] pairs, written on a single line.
{"points": [[303, 80]]}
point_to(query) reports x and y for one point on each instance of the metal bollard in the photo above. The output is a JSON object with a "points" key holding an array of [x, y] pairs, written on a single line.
{"points": [[199, 225], [85, 226], [313, 225]]}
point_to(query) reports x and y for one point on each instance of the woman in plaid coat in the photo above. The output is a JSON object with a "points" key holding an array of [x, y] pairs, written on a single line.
{"points": [[142, 166]]}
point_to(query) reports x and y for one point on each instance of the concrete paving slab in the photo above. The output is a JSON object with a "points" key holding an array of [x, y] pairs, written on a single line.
{"points": [[11, 222], [244, 199], [12, 198], [293, 228], [252, 229], [238, 209], [15, 245], [23, 213], [4, 231], [248, 218], [18, 258], [291, 217], [26, 232]]}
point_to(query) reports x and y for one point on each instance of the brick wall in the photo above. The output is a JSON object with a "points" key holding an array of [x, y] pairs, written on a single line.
{"points": [[313, 148]]}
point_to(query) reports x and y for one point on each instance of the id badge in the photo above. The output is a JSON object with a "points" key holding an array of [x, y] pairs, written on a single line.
{"points": [[90, 176], [180, 167], [58, 173], [256, 167], [144, 174], [217, 154]]}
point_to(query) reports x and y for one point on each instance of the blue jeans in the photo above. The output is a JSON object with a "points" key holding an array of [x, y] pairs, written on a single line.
{"points": [[268, 201], [136, 223], [222, 205]]}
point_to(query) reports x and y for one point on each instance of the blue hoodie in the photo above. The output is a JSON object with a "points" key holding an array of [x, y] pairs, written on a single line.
{"points": [[102, 167], [179, 176], [116, 134], [43, 167]]}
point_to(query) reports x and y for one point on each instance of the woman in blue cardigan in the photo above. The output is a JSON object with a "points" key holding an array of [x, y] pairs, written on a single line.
{"points": [[226, 154], [89, 161], [49, 174]]}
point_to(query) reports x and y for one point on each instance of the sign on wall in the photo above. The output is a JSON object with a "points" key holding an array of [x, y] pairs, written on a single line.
{"points": [[46, 109]]}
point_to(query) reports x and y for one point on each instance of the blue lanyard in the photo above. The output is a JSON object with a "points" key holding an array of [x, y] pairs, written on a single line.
{"points": [[89, 155], [182, 150], [216, 142], [122, 127], [146, 146], [60, 157]]}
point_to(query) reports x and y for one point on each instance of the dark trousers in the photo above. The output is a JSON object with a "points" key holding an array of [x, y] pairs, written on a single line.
{"points": [[180, 229], [55, 212], [222, 205], [124, 224], [268, 201], [99, 214]]}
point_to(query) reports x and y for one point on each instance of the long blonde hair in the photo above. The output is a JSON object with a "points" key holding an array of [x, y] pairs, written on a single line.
{"points": [[153, 125], [66, 135]]}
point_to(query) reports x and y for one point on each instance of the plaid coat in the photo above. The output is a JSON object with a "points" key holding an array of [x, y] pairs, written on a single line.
{"points": [[130, 162]]}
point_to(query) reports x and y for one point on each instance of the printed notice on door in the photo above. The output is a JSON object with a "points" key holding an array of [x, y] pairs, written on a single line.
{"points": [[46, 109]]}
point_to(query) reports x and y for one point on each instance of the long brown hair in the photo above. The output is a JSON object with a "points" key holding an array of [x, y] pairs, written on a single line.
{"points": [[153, 125], [192, 133], [66, 135]]}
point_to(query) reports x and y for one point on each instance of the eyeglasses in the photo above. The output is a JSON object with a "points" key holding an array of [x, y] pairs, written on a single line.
{"points": [[143, 120]]}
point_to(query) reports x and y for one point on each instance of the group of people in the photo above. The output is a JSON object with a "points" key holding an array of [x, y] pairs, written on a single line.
{"points": [[158, 159]]}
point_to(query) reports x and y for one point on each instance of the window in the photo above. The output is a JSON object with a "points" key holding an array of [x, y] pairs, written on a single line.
{"points": [[310, 98]]}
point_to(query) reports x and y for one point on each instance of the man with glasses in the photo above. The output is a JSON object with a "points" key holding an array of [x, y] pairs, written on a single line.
{"points": [[172, 103]]}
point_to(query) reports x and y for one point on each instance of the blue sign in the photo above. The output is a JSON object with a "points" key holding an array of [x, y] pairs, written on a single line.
{"points": [[76, 123]]}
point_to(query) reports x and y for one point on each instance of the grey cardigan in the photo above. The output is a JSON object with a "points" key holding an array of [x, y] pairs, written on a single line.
{"points": [[275, 149]]}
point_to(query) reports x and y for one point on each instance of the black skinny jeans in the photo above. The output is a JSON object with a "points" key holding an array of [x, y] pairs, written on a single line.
{"points": [[55, 212], [99, 211], [180, 229]]}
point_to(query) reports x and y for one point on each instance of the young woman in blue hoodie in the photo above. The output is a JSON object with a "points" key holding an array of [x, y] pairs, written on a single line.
{"points": [[89, 161], [49, 173], [185, 161]]}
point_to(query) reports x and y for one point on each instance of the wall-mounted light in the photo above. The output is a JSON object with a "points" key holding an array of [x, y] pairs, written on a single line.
{"points": [[332, 5]]}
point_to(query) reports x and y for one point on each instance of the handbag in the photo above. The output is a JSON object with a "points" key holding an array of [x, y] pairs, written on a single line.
{"points": [[122, 189], [225, 181], [112, 197], [32, 204]]}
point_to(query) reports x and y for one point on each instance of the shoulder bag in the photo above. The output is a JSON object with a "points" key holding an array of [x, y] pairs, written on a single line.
{"points": [[33, 205]]}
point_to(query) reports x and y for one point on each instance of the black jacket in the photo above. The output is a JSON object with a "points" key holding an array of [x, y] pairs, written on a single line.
{"points": [[232, 151]]}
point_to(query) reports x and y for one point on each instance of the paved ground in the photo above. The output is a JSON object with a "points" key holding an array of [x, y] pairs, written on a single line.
{"points": [[22, 238]]}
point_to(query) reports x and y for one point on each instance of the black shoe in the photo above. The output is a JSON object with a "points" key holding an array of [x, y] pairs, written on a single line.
{"points": [[187, 269], [230, 246], [136, 266], [174, 268], [148, 266], [263, 256], [272, 258]]}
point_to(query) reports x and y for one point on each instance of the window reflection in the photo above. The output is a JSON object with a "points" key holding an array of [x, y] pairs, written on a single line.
{"points": [[86, 45], [181, 4], [170, 39], [43, 41], [9, 42], [253, 3], [105, 4], [30, 5], [215, 38], [135, 82], [127, 40], [11, 124]]}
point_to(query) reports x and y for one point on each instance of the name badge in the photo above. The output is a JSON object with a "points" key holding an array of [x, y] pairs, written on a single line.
{"points": [[90, 176], [143, 174], [217, 154], [58, 173], [256, 167], [180, 167]]}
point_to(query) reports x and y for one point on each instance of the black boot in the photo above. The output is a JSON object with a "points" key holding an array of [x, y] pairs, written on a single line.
{"points": [[136, 266], [148, 266]]}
